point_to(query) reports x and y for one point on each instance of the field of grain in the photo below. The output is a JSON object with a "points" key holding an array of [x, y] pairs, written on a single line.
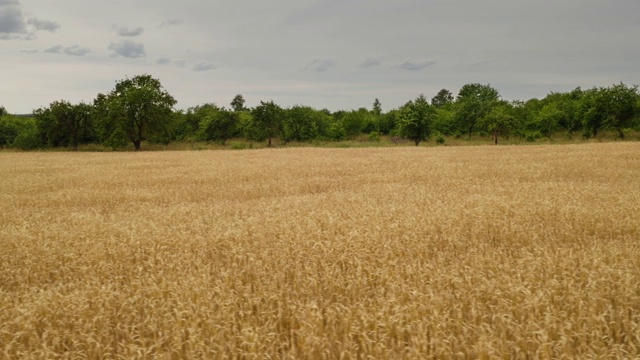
{"points": [[464, 252]]}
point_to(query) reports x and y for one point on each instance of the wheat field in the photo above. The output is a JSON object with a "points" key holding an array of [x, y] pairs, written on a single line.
{"points": [[442, 252]]}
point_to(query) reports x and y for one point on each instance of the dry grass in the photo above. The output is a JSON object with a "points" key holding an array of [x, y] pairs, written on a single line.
{"points": [[451, 252]]}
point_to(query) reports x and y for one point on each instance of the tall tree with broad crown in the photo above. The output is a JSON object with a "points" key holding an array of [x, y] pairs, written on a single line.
{"points": [[134, 110]]}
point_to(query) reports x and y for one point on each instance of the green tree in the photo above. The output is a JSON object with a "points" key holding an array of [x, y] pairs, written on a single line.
{"points": [[268, 119], [303, 123], [3, 111], [356, 122], [621, 103], [499, 122], [237, 104], [64, 124], [442, 98], [218, 124], [136, 109], [547, 121], [415, 120], [9, 130], [377, 107], [474, 102]]}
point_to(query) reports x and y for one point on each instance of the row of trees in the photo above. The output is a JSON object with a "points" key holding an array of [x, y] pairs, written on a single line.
{"points": [[140, 109]]}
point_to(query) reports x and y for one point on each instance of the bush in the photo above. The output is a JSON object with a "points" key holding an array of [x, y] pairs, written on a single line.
{"points": [[439, 138], [374, 136], [238, 145]]}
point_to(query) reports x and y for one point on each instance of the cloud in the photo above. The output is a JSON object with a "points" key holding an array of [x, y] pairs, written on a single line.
{"points": [[370, 62], [56, 49], [320, 64], [163, 61], [128, 49], [172, 22], [125, 31], [73, 50], [204, 66], [29, 51], [77, 50], [44, 25], [12, 24], [167, 61], [412, 65]]}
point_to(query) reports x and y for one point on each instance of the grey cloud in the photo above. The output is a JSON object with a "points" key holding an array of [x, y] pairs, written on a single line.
{"points": [[172, 22], [163, 61], [56, 49], [77, 50], [371, 62], [320, 64], [73, 50], [29, 51], [44, 25], [12, 24], [128, 49], [125, 31], [166, 61], [204, 66], [412, 65]]}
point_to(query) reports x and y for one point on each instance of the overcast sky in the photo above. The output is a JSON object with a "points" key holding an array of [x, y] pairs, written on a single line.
{"points": [[335, 54]]}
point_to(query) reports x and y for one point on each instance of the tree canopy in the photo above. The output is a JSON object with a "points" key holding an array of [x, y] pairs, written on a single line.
{"points": [[134, 110]]}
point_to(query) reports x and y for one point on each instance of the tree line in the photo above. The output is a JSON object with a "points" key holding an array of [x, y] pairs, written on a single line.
{"points": [[139, 109]]}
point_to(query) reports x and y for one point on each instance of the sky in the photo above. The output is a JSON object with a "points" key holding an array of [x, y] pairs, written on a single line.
{"points": [[334, 54]]}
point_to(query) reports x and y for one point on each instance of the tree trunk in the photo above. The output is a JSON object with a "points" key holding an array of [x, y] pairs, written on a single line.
{"points": [[417, 141], [269, 145], [136, 144], [495, 138], [620, 133]]}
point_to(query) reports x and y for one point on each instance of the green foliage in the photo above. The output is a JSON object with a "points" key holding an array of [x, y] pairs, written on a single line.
{"points": [[443, 98], [267, 118], [547, 121], [377, 107], [3, 111], [9, 130], [415, 120], [216, 124], [474, 102], [27, 137], [238, 145], [135, 110], [64, 124], [303, 123], [374, 136], [359, 121], [237, 104], [336, 131], [499, 122]]}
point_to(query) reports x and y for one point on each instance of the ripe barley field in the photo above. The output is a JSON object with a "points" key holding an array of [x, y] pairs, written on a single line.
{"points": [[464, 252]]}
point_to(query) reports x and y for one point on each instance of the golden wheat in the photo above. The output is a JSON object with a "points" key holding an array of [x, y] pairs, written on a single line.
{"points": [[466, 252]]}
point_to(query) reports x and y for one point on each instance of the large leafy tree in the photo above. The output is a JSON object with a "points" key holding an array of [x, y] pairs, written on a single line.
{"points": [[136, 109], [474, 102], [64, 124], [443, 97], [303, 123], [267, 117], [415, 120], [217, 124], [3, 111], [237, 104], [499, 122]]}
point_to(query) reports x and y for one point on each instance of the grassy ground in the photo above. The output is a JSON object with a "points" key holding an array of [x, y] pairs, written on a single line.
{"points": [[441, 252], [362, 141]]}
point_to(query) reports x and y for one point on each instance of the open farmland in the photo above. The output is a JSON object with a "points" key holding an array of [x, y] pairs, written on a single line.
{"points": [[482, 252]]}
